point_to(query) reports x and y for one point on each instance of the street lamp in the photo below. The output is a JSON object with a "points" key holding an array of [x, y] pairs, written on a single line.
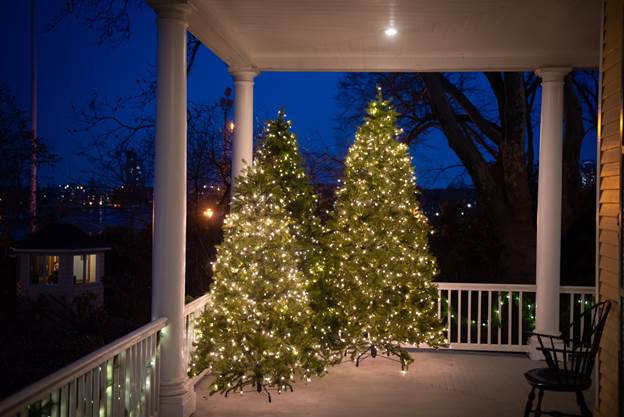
{"points": [[208, 213]]}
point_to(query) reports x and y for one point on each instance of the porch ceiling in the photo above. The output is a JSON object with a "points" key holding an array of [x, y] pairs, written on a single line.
{"points": [[434, 35]]}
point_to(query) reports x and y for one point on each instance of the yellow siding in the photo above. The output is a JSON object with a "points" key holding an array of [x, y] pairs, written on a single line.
{"points": [[609, 205]]}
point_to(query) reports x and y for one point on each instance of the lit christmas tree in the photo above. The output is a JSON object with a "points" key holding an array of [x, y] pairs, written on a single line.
{"points": [[281, 160], [380, 263], [256, 331]]}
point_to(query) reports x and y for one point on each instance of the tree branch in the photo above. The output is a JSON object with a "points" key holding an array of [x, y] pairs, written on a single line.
{"points": [[463, 147], [489, 128]]}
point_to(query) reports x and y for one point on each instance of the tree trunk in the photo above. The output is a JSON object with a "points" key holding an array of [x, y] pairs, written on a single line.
{"points": [[573, 135], [517, 258], [518, 230], [503, 185]]}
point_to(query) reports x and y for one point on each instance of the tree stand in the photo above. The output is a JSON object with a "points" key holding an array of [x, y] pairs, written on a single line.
{"points": [[390, 350]]}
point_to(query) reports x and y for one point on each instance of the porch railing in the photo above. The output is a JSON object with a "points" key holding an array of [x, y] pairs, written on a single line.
{"points": [[120, 379], [192, 311], [492, 317], [496, 317]]}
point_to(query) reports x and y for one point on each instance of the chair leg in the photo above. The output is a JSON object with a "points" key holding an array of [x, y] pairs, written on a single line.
{"points": [[580, 399], [529, 404], [538, 409]]}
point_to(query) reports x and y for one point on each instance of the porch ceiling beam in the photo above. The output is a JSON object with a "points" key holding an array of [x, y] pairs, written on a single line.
{"points": [[419, 63]]}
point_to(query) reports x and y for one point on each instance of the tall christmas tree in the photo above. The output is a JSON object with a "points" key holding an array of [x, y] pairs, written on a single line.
{"points": [[256, 333], [281, 160], [381, 262]]}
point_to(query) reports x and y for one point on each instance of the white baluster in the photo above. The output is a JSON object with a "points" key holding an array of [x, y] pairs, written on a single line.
{"points": [[479, 318], [509, 316], [459, 315], [469, 316], [489, 322], [520, 318]]}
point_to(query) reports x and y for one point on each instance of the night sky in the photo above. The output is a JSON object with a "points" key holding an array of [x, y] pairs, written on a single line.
{"points": [[72, 67]]}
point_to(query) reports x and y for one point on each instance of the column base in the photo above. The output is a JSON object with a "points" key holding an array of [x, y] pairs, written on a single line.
{"points": [[534, 354], [177, 400]]}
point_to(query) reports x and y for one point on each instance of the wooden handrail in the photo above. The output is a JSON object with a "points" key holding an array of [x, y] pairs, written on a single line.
{"points": [[576, 289], [196, 304], [484, 287], [564, 289]]}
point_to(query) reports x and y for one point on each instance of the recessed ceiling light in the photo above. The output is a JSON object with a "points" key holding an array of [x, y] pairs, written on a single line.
{"points": [[391, 32]]}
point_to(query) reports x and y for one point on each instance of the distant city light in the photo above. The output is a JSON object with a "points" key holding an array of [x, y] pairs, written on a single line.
{"points": [[231, 126]]}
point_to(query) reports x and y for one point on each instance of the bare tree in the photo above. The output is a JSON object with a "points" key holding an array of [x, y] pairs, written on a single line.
{"points": [[209, 150], [128, 123], [122, 124], [489, 122], [118, 125], [115, 127], [16, 155], [110, 19]]}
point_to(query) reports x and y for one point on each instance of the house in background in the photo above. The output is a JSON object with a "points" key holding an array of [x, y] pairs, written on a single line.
{"points": [[62, 261]]}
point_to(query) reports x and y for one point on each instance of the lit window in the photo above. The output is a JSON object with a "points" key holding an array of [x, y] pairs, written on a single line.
{"points": [[44, 269], [84, 269]]}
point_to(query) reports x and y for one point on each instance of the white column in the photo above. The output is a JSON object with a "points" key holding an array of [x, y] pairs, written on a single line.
{"points": [[177, 397], [548, 256], [242, 147]]}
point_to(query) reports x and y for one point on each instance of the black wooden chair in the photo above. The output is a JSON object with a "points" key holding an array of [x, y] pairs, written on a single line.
{"points": [[570, 360]]}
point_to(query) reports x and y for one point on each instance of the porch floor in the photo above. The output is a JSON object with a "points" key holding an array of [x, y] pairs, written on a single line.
{"points": [[438, 384]]}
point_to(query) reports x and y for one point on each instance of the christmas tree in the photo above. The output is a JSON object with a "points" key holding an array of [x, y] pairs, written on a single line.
{"points": [[381, 264], [281, 160], [256, 333]]}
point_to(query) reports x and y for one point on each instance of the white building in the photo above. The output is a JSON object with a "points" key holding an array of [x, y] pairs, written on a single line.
{"points": [[62, 261]]}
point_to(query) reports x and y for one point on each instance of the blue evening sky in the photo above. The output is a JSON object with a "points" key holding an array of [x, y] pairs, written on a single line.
{"points": [[72, 67]]}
